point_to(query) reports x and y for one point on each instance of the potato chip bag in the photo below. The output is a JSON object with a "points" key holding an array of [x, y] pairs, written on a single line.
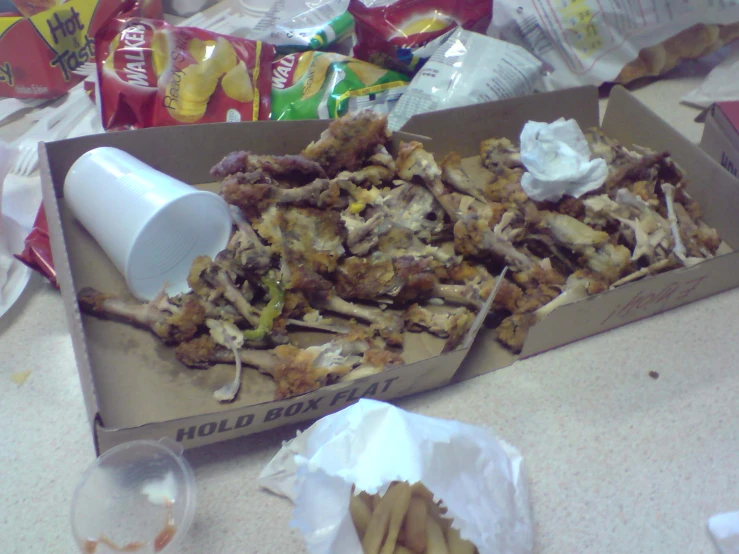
{"points": [[43, 53], [402, 34], [154, 74], [324, 85]]}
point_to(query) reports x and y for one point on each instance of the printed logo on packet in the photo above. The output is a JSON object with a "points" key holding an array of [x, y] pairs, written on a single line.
{"points": [[137, 53], [65, 29]]}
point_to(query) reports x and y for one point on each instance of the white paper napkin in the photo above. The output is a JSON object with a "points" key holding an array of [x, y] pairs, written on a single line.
{"points": [[724, 529], [7, 155], [721, 84], [557, 159], [478, 478]]}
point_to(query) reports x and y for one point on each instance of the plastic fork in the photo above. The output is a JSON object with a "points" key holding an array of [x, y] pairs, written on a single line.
{"points": [[204, 22], [11, 106], [54, 125]]}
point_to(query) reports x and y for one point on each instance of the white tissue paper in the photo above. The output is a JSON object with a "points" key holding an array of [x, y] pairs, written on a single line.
{"points": [[478, 477], [720, 85], [557, 159], [724, 529], [7, 155]]}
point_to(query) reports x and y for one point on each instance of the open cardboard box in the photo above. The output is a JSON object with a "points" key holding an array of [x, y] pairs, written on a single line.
{"points": [[134, 388]]}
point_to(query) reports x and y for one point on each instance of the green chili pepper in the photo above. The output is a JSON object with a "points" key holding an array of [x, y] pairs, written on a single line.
{"points": [[270, 311]]}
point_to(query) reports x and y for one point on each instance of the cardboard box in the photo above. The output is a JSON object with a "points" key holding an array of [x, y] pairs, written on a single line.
{"points": [[134, 388], [721, 135]]}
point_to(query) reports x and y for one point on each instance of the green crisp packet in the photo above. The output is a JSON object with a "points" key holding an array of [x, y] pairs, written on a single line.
{"points": [[324, 85]]}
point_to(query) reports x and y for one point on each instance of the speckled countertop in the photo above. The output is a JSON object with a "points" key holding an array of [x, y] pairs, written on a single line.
{"points": [[618, 462]]}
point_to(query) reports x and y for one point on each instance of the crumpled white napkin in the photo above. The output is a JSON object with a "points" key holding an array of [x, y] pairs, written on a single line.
{"points": [[557, 159], [369, 445], [7, 155], [724, 529]]}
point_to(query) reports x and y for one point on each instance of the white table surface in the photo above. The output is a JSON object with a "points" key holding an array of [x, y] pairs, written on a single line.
{"points": [[618, 462]]}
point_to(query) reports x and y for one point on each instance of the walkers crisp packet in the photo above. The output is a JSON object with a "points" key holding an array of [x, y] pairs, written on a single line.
{"points": [[154, 74]]}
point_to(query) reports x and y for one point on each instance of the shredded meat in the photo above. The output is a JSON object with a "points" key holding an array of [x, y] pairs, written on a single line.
{"points": [[289, 168]]}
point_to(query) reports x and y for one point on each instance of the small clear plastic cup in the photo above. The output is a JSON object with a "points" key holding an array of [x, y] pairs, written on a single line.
{"points": [[137, 497]]}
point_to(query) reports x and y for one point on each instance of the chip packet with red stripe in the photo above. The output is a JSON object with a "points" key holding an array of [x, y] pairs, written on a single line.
{"points": [[154, 74]]}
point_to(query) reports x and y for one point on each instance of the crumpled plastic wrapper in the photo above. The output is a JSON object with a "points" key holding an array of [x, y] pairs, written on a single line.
{"points": [[557, 161], [478, 478], [37, 250], [468, 68]]}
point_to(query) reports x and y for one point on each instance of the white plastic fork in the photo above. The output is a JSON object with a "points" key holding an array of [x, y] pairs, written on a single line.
{"points": [[52, 126], [12, 106], [202, 22]]}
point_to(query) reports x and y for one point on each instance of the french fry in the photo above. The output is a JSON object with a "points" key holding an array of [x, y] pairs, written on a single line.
{"points": [[367, 499], [361, 515], [377, 527], [397, 515], [439, 515], [419, 489], [456, 544], [415, 525], [401, 535], [400, 549], [435, 542]]}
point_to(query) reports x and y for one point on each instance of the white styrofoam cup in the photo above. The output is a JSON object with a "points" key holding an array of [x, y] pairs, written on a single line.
{"points": [[150, 225]]}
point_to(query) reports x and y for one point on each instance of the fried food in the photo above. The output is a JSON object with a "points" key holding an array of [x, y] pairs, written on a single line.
{"points": [[349, 142], [405, 520], [345, 240]]}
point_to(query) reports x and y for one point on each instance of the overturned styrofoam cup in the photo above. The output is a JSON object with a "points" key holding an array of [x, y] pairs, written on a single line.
{"points": [[150, 225]]}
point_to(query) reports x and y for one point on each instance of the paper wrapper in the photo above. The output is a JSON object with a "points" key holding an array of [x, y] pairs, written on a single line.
{"points": [[590, 42], [479, 478], [7, 156]]}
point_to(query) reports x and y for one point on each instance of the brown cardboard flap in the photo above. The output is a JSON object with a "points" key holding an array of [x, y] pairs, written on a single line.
{"points": [[462, 129], [219, 426], [632, 302], [66, 283]]}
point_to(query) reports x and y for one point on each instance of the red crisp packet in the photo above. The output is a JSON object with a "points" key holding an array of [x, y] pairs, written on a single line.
{"points": [[40, 53], [154, 74], [37, 252], [393, 34]]}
